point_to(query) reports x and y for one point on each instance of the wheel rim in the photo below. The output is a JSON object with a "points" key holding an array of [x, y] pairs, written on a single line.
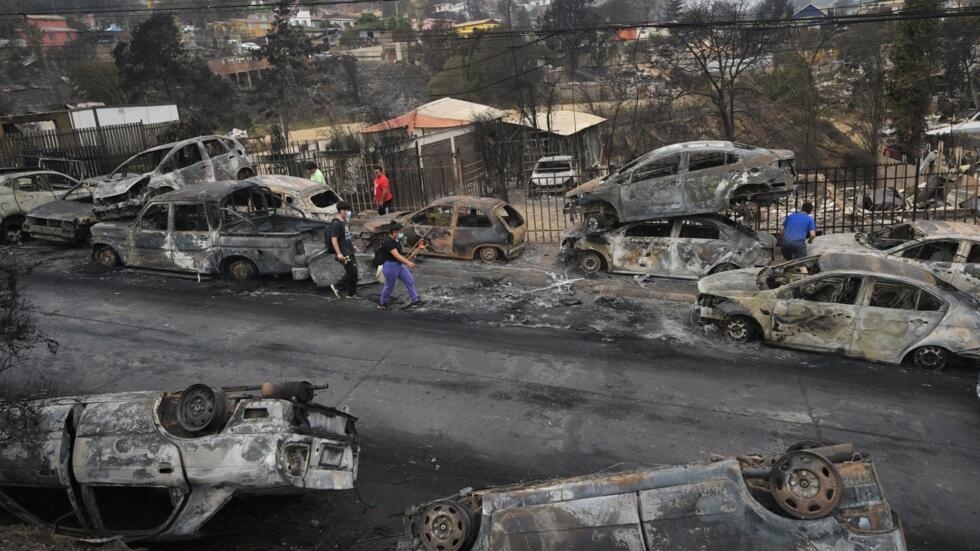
{"points": [[241, 271], [590, 263], [107, 257], [738, 330], [445, 527], [488, 254], [805, 485], [930, 357], [200, 406]]}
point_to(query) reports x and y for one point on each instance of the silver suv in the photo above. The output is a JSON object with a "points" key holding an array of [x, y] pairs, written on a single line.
{"points": [[554, 174]]}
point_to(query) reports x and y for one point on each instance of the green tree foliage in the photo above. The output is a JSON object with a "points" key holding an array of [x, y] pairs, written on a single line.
{"points": [[156, 67], [910, 81], [572, 24]]}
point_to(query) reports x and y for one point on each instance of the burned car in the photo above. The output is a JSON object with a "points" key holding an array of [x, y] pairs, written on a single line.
{"points": [[233, 228], [161, 465], [67, 220], [951, 250], [168, 168], [317, 201], [814, 496], [856, 305], [458, 226], [687, 247], [684, 179], [22, 190]]}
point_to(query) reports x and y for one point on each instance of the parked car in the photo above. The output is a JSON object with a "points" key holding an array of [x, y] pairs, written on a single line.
{"points": [[231, 228], [457, 227], [167, 168], [951, 250], [856, 305], [314, 200], [684, 179], [22, 190], [814, 496], [552, 174], [66, 220], [250, 47], [687, 247], [161, 465]]}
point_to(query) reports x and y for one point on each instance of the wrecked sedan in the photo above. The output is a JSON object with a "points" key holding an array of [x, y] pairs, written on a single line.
{"points": [[161, 465], [683, 179], [460, 226], [856, 305], [67, 220], [232, 228], [317, 201], [815, 496], [167, 168], [951, 250], [22, 190], [688, 247]]}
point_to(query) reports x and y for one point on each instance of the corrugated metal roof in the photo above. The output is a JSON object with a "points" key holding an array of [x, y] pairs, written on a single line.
{"points": [[560, 121], [441, 113]]}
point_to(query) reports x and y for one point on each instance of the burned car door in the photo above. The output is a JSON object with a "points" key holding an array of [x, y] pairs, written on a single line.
{"points": [[644, 248], [942, 256], [653, 188], [897, 316], [967, 276], [222, 159], [818, 313], [191, 165], [191, 239], [698, 246], [435, 225], [149, 238], [708, 179], [474, 227]]}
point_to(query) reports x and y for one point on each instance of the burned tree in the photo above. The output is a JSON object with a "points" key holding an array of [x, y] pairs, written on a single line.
{"points": [[501, 149]]}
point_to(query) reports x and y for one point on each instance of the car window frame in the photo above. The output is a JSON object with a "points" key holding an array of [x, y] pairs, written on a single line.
{"points": [[860, 297]]}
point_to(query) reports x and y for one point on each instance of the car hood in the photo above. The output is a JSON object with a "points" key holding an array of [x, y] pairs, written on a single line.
{"points": [[783, 154], [64, 211], [584, 188], [375, 224], [837, 243], [733, 283], [109, 188]]}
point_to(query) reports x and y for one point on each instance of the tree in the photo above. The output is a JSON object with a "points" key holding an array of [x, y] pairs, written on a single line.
{"points": [[958, 57], [673, 9], [910, 82], [774, 10], [98, 82], [571, 24], [284, 93], [862, 51]]}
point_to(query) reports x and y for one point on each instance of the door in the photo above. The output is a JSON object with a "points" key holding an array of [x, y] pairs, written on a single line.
{"points": [[191, 165], [707, 180], [644, 248], [897, 316], [149, 247], [474, 228], [818, 313], [967, 269], [221, 158], [435, 226], [653, 189], [191, 241], [697, 247]]}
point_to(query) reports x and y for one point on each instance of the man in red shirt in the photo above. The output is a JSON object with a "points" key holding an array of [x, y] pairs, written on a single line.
{"points": [[382, 191]]}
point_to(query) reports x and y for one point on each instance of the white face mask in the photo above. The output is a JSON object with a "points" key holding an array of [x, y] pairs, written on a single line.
{"points": [[401, 236]]}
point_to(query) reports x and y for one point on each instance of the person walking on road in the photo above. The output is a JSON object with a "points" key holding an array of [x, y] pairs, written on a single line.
{"points": [[798, 230], [382, 191], [396, 267], [315, 173], [340, 242]]}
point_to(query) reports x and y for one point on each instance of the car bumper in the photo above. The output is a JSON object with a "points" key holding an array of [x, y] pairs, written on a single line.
{"points": [[54, 230], [514, 251]]}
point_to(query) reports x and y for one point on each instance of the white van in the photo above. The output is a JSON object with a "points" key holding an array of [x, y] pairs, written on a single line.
{"points": [[554, 174]]}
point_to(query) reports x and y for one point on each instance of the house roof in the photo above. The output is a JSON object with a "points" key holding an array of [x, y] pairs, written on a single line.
{"points": [[441, 113], [477, 22], [562, 122], [810, 11]]}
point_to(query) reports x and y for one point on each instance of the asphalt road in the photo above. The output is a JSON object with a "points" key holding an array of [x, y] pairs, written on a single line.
{"points": [[446, 400]]}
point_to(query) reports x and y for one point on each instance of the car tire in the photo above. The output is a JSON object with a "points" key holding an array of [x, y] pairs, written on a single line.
{"points": [[12, 231], [930, 357], [201, 408], [590, 262], [488, 254], [107, 257], [241, 269], [740, 329]]}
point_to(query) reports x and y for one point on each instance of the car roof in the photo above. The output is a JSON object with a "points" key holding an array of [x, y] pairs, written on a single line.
{"points": [[875, 265], [205, 192], [288, 183], [11, 175], [182, 143], [556, 158], [942, 228], [479, 202]]}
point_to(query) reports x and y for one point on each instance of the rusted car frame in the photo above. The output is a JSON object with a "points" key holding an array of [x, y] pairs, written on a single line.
{"points": [[461, 227], [856, 305], [684, 179], [166, 168], [685, 247], [232, 228], [815, 496], [161, 465]]}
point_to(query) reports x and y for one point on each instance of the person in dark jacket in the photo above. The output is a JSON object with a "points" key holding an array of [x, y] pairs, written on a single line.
{"points": [[338, 240], [396, 267]]}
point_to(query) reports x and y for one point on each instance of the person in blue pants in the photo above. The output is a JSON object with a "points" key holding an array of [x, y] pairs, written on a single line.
{"points": [[396, 267]]}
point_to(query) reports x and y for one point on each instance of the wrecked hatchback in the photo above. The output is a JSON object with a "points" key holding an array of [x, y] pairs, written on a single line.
{"points": [[815, 496], [232, 228], [314, 200], [161, 465], [856, 305], [682, 179], [688, 247]]}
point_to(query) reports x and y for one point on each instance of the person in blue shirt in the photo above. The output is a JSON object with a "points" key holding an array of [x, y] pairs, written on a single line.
{"points": [[798, 230]]}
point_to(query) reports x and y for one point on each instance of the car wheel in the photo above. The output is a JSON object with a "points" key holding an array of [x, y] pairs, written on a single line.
{"points": [[723, 267], [488, 254], [740, 329], [805, 485], [241, 269], [107, 257], [201, 407], [590, 262], [446, 526], [12, 231], [930, 357], [245, 173]]}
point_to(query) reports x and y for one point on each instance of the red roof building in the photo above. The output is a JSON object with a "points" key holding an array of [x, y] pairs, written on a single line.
{"points": [[53, 30]]}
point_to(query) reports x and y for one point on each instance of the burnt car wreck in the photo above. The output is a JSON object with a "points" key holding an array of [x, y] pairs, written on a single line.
{"points": [[161, 465], [814, 496]]}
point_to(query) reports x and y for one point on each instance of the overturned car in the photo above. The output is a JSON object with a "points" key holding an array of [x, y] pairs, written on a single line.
{"points": [[161, 465], [815, 496], [683, 179]]}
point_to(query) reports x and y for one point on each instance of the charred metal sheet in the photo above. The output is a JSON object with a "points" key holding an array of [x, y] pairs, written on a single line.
{"points": [[819, 498], [182, 456]]}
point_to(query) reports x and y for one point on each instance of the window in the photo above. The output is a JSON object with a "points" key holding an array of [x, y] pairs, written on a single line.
{"points": [[553, 166], [324, 199], [155, 218], [893, 236], [434, 216], [510, 216], [142, 163], [973, 256], [133, 508], [704, 159], [229, 144], [215, 148], [835, 290], [26, 184], [696, 229], [655, 228], [60, 183], [657, 168], [190, 218], [899, 296], [47, 504], [934, 251], [473, 218], [188, 155]]}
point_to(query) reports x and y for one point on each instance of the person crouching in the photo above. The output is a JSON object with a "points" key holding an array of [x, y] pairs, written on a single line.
{"points": [[396, 267]]}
